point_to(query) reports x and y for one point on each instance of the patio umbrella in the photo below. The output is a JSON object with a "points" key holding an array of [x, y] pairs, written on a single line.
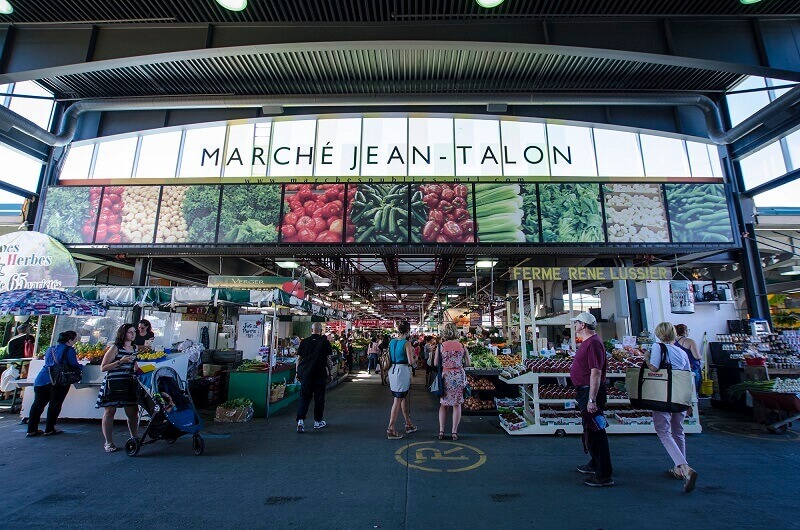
{"points": [[47, 302], [40, 302]]}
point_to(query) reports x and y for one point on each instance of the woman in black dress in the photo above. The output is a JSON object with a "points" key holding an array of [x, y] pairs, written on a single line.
{"points": [[119, 386]]}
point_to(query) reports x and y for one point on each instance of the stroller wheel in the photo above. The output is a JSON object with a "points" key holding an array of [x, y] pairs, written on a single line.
{"points": [[198, 445], [132, 446]]}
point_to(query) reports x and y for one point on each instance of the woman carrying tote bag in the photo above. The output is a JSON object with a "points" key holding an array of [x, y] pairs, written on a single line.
{"points": [[669, 425], [46, 392]]}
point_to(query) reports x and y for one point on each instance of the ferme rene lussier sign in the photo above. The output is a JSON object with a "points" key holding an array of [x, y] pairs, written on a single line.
{"points": [[399, 146], [590, 273]]}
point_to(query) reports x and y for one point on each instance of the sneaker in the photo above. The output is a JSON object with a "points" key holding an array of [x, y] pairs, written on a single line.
{"points": [[587, 470], [599, 483], [320, 424], [301, 426]]}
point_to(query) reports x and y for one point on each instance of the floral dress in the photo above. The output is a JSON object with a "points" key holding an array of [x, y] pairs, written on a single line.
{"points": [[453, 374]]}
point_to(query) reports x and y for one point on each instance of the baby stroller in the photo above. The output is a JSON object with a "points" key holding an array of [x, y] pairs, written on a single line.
{"points": [[163, 395]]}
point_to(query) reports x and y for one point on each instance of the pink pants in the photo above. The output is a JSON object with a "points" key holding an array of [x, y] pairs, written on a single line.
{"points": [[669, 427]]}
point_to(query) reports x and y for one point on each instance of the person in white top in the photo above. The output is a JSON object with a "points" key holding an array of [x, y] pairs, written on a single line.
{"points": [[669, 425]]}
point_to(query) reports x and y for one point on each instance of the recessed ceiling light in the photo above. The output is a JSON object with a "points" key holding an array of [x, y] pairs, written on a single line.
{"points": [[464, 282], [233, 5], [488, 4], [355, 302], [485, 263], [748, 2], [345, 296], [323, 283], [5, 7], [287, 264], [453, 295]]}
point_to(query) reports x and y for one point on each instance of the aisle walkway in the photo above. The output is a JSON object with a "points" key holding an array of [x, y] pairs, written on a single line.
{"points": [[263, 474]]}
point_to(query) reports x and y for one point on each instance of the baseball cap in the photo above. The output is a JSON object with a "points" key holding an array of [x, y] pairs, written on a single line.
{"points": [[586, 318]]}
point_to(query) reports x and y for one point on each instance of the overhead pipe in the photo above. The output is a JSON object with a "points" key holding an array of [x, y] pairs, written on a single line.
{"points": [[716, 132]]}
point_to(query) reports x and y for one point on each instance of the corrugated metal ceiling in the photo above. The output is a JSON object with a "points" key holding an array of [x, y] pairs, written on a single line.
{"points": [[192, 11], [380, 71]]}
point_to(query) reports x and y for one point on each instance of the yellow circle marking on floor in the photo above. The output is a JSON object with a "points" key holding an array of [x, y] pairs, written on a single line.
{"points": [[440, 457], [756, 431]]}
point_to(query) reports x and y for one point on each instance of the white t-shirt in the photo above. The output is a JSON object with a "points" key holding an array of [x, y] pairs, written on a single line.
{"points": [[677, 357]]}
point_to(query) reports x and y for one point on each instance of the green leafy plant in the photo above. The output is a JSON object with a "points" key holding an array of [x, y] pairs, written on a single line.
{"points": [[237, 403]]}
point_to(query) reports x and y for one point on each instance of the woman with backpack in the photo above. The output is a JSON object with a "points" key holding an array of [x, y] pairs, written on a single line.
{"points": [[692, 352], [47, 393]]}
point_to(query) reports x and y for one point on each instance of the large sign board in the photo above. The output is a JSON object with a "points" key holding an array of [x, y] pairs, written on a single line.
{"points": [[590, 273], [32, 260], [440, 213]]}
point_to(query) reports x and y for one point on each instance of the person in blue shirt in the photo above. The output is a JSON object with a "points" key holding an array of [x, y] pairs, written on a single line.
{"points": [[46, 393]]}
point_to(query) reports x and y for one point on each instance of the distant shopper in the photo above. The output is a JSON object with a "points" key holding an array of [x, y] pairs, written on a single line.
{"points": [[401, 357], [428, 353], [453, 358], [588, 374], [119, 386], [46, 393], [312, 370], [669, 425], [692, 352], [144, 332], [21, 345], [373, 350], [347, 350]]}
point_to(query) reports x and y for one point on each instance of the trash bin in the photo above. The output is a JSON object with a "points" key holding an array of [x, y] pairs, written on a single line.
{"points": [[198, 389]]}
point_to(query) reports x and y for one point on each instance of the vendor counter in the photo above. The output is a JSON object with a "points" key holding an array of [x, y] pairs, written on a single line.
{"points": [[81, 399], [253, 386]]}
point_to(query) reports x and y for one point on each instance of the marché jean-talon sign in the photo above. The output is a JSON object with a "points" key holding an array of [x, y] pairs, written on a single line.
{"points": [[404, 146]]}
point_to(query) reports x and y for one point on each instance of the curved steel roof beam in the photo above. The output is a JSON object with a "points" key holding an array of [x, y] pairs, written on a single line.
{"points": [[454, 46], [717, 134]]}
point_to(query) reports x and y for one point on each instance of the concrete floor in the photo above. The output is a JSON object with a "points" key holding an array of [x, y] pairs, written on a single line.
{"points": [[262, 474]]}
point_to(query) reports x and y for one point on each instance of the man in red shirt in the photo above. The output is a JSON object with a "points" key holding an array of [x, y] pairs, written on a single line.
{"points": [[588, 374]]}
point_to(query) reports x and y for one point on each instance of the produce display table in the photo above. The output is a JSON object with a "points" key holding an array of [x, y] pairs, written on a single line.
{"points": [[534, 421], [83, 396]]}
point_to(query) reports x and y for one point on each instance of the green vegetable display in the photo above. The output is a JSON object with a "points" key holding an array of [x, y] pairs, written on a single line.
{"points": [[486, 361], [188, 214], [237, 403], [571, 213], [380, 213], [699, 213], [250, 214], [499, 213], [530, 208], [69, 213]]}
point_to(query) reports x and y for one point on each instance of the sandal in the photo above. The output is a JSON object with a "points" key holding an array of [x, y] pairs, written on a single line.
{"points": [[441, 435], [110, 448], [53, 432], [34, 433], [411, 428], [675, 473], [691, 480], [454, 436], [392, 434]]}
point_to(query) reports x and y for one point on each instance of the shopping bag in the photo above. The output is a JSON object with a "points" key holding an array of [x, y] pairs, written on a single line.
{"points": [[662, 390]]}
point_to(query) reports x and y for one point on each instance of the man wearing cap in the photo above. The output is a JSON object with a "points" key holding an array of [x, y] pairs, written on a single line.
{"points": [[588, 374]]}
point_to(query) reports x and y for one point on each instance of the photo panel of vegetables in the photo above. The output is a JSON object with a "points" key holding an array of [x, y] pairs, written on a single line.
{"points": [[70, 213], [377, 213], [571, 213], [499, 213], [442, 213], [313, 213], [188, 214], [635, 213], [699, 213], [128, 215], [249, 213]]}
